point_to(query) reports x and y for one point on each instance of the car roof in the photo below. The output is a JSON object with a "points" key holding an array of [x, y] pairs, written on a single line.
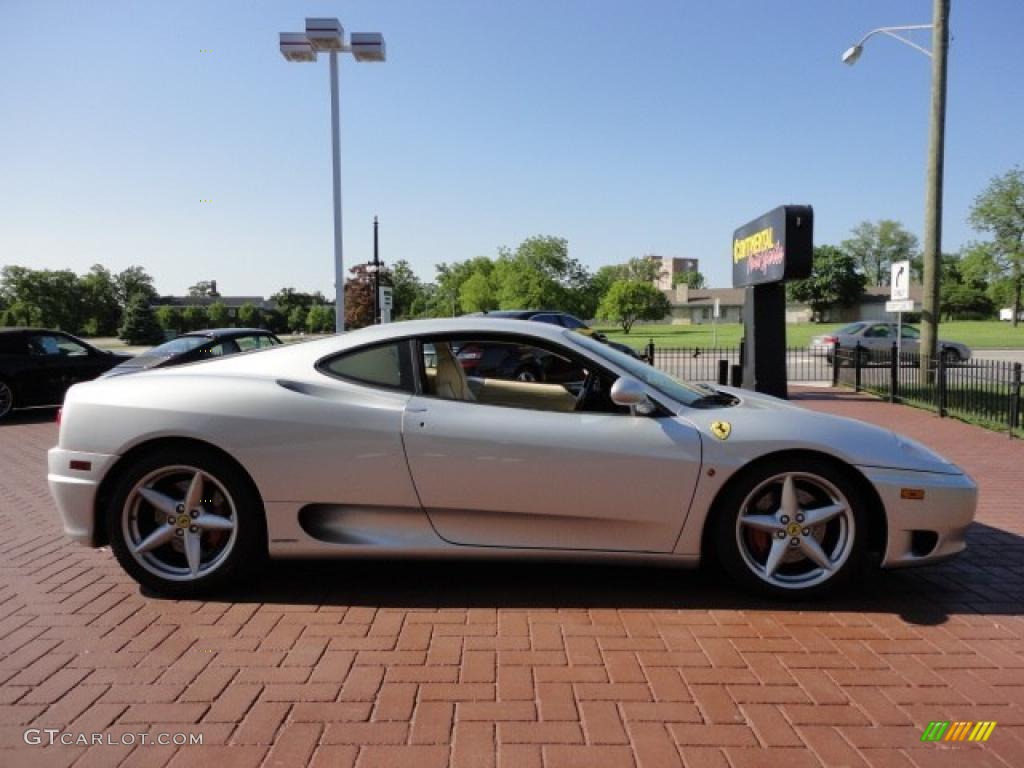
{"points": [[28, 329], [219, 333], [523, 313]]}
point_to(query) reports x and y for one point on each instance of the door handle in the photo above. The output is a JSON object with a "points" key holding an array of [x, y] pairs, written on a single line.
{"points": [[416, 408]]}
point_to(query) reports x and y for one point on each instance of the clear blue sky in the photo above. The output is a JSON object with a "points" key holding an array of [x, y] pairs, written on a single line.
{"points": [[625, 127]]}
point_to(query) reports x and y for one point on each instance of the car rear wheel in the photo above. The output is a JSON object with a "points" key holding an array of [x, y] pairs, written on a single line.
{"points": [[6, 399], [950, 356], [792, 528], [184, 523]]}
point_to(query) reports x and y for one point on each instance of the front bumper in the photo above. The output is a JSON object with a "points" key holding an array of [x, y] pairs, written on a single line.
{"points": [[926, 530], [74, 490]]}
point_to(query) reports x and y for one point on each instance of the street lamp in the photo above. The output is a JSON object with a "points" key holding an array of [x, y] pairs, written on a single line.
{"points": [[936, 150], [327, 35]]}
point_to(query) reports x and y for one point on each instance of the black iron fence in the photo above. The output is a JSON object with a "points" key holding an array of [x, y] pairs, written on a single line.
{"points": [[984, 391], [719, 364]]}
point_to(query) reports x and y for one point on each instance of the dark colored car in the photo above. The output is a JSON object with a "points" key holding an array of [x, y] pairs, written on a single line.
{"points": [[37, 366], [564, 319], [198, 345]]}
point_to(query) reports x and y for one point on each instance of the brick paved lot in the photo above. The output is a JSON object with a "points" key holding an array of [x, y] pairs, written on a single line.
{"points": [[514, 665]]}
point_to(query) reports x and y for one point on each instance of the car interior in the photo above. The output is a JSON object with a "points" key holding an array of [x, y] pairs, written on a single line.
{"points": [[446, 377]]}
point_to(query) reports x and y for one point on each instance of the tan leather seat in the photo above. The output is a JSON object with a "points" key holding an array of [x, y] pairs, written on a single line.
{"points": [[450, 381]]}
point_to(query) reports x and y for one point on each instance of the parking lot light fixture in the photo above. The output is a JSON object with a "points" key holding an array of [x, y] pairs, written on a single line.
{"points": [[328, 36]]}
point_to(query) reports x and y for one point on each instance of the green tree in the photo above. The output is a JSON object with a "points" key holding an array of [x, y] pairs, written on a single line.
{"points": [[195, 318], [320, 319], [477, 294], [875, 246], [249, 316], [628, 301], [690, 277], [966, 302], [101, 309], [170, 318], [408, 295], [204, 288], [297, 319], [999, 211], [834, 281], [131, 282], [51, 297], [140, 325], [540, 274], [218, 314]]}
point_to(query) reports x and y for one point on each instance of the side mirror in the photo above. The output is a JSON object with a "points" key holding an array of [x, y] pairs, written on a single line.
{"points": [[630, 392], [602, 337]]}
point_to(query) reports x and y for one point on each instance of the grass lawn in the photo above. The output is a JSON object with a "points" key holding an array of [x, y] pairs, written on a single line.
{"points": [[983, 334]]}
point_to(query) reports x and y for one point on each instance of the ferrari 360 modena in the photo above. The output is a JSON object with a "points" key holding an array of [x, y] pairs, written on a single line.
{"points": [[381, 443]]}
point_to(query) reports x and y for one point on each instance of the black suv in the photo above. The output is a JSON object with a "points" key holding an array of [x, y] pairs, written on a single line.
{"points": [[564, 319], [38, 366]]}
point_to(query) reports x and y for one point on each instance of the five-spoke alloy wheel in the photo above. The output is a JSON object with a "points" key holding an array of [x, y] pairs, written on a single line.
{"points": [[796, 529], [184, 524]]}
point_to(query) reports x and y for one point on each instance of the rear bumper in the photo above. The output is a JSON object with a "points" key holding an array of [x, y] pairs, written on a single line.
{"points": [[74, 490], [927, 530]]}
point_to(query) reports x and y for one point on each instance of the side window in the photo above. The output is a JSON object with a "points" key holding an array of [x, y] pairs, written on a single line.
{"points": [[49, 345], [572, 323], [909, 332], [267, 341], [877, 332], [549, 319], [12, 344], [513, 374], [246, 343], [384, 365]]}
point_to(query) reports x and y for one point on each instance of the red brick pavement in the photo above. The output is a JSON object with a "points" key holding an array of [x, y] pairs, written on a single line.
{"points": [[514, 665]]}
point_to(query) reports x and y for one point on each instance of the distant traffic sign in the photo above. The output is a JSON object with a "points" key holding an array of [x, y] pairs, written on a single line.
{"points": [[900, 286], [899, 306]]}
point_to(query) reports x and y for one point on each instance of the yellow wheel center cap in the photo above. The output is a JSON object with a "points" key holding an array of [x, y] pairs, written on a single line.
{"points": [[184, 521], [793, 529]]}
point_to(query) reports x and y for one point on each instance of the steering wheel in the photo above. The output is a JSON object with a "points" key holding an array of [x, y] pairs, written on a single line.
{"points": [[589, 383]]}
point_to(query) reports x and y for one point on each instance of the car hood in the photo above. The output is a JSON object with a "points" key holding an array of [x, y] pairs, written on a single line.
{"points": [[760, 424]]}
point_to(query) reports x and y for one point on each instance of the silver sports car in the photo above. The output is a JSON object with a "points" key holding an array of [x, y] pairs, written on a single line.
{"points": [[381, 443]]}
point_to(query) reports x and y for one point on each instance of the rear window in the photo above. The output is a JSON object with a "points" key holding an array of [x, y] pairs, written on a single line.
{"points": [[384, 365], [851, 329]]}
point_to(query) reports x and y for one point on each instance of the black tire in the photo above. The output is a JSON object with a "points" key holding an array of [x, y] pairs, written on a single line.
{"points": [[744, 569], [950, 357], [6, 399], [249, 548]]}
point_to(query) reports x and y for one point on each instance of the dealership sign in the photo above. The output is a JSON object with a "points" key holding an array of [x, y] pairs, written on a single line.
{"points": [[774, 248]]}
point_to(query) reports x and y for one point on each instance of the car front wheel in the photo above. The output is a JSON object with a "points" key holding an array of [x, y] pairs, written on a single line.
{"points": [[184, 523], [792, 528]]}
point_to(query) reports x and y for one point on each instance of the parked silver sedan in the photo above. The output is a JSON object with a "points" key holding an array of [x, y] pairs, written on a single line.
{"points": [[381, 443], [876, 340]]}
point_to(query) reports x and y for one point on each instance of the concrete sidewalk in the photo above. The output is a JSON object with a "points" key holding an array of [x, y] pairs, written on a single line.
{"points": [[515, 664]]}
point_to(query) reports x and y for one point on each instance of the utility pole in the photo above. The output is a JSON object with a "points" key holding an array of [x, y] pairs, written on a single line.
{"points": [[376, 274], [933, 192]]}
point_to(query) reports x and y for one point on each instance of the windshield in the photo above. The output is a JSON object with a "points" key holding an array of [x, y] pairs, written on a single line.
{"points": [[178, 346], [680, 391]]}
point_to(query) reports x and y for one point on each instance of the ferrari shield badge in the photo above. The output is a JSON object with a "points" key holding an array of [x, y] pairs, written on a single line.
{"points": [[721, 429]]}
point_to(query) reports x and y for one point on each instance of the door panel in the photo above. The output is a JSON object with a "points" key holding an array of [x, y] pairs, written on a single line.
{"points": [[497, 476]]}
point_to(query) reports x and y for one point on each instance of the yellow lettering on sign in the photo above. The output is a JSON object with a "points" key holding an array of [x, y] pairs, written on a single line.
{"points": [[755, 243]]}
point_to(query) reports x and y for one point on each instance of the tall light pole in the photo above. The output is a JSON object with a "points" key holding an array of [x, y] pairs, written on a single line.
{"points": [[329, 36], [936, 152]]}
